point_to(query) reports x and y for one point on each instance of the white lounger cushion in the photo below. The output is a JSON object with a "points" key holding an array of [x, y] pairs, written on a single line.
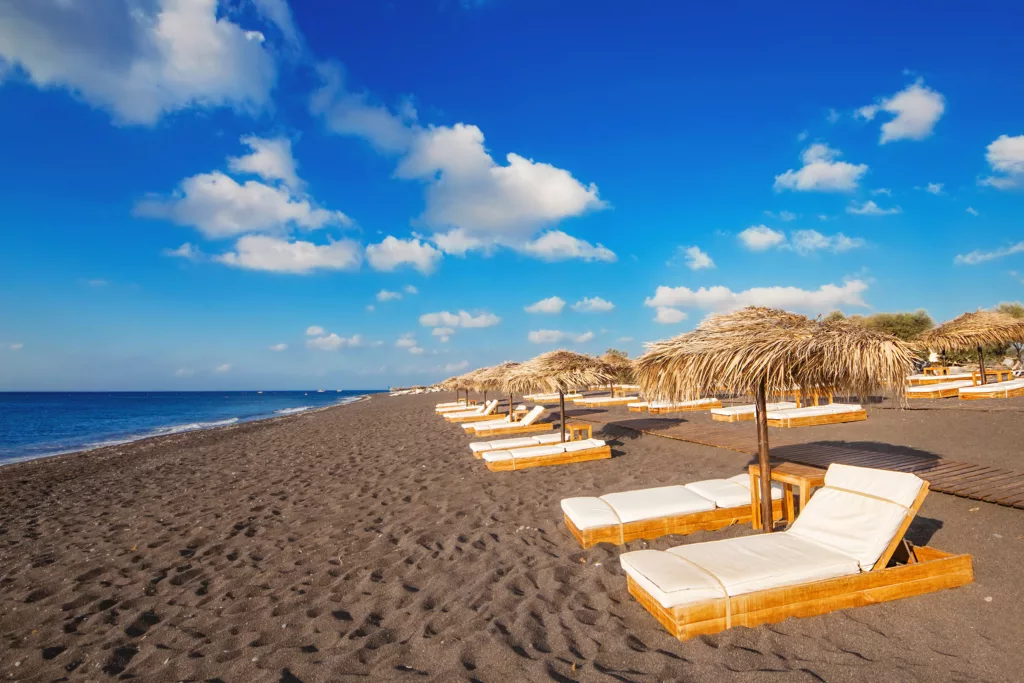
{"points": [[730, 493], [927, 388], [664, 501], [638, 404], [682, 404], [994, 387], [517, 442], [751, 408], [485, 409], [810, 411], [540, 451], [597, 400], [487, 424], [950, 377], [741, 565]]}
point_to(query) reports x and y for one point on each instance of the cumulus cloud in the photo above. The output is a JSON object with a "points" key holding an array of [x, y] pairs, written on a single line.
{"points": [[262, 252], [971, 210], [333, 342], [1005, 155], [472, 200], [870, 208], [977, 256], [406, 341], [915, 110], [387, 295], [933, 188], [393, 253], [558, 337], [556, 245], [410, 289], [697, 259], [593, 305], [551, 305], [184, 372], [270, 159], [761, 237], [221, 369], [219, 206], [443, 334], [278, 347], [187, 251], [462, 319], [16, 346], [808, 241], [821, 172], [825, 298], [882, 190], [141, 59], [667, 315]]}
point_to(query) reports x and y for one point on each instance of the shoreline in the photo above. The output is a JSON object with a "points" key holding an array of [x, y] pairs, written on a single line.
{"points": [[212, 427]]}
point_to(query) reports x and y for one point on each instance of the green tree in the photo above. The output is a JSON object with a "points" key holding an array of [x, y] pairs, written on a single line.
{"points": [[835, 315], [903, 326], [1015, 309], [616, 352]]}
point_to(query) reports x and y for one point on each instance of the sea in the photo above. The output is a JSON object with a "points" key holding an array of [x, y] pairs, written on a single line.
{"points": [[36, 425]]}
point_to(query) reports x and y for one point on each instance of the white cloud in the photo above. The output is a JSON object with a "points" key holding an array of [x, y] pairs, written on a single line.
{"points": [[410, 289], [332, 342], [314, 331], [457, 242], [825, 298], [870, 208], [821, 172], [278, 347], [184, 372], [443, 334], [593, 305], [393, 252], [933, 188], [977, 256], [1006, 157], [787, 216], [187, 251], [552, 305], [808, 241], [406, 341], [832, 116], [370, 308], [971, 210], [218, 206], [625, 340], [261, 252], [882, 190], [221, 369], [761, 237], [139, 60], [270, 159], [556, 245], [16, 346], [557, 337], [415, 350], [455, 367], [697, 259], [915, 109], [387, 295], [460, 319], [667, 315]]}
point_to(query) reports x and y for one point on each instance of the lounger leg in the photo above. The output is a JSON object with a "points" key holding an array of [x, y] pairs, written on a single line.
{"points": [[805, 495], [788, 509]]}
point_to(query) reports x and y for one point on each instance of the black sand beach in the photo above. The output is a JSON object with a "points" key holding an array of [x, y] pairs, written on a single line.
{"points": [[365, 542]]}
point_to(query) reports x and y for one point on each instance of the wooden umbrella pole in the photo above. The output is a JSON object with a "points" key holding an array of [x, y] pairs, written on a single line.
{"points": [[510, 407], [561, 405], [767, 521], [981, 364]]}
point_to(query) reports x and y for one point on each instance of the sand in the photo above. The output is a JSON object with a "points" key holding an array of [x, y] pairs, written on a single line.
{"points": [[365, 542]]}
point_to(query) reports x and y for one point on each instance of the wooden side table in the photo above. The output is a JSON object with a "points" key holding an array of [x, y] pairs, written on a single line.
{"points": [[1001, 375], [579, 428], [788, 474]]}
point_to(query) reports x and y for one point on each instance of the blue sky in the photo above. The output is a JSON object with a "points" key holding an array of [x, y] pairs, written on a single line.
{"points": [[257, 194]]}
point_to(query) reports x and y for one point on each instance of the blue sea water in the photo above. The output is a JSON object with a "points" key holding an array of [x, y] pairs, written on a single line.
{"points": [[34, 425]]}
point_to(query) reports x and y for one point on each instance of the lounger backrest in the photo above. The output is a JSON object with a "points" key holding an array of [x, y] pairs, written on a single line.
{"points": [[859, 511], [532, 416], [490, 407]]}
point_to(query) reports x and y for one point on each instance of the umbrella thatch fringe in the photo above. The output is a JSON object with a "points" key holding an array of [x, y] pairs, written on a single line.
{"points": [[560, 370], [732, 353], [971, 330]]}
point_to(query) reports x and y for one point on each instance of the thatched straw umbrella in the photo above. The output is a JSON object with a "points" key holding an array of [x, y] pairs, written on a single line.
{"points": [[764, 351], [622, 366], [451, 384], [973, 331], [559, 371], [493, 379]]}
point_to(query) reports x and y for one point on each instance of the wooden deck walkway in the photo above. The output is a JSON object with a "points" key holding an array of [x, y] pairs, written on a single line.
{"points": [[977, 482]]}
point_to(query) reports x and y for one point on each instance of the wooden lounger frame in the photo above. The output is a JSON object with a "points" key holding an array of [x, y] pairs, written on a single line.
{"points": [[480, 454], [546, 401], [735, 417], [619, 401], [925, 570], [514, 428], [995, 392], [707, 520], [473, 418], [665, 410], [638, 409], [599, 453], [812, 420], [938, 393]]}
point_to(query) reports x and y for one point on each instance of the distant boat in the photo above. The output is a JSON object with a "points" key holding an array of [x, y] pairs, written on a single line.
{"points": [[319, 391], [259, 392]]}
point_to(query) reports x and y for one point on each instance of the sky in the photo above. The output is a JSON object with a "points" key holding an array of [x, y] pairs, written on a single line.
{"points": [[263, 194]]}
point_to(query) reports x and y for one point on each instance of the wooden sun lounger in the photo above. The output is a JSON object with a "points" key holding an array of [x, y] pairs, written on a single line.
{"points": [[917, 570], [598, 453], [811, 420], [610, 401], [515, 428], [684, 407], [996, 390], [746, 412], [649, 529], [943, 390], [638, 406]]}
